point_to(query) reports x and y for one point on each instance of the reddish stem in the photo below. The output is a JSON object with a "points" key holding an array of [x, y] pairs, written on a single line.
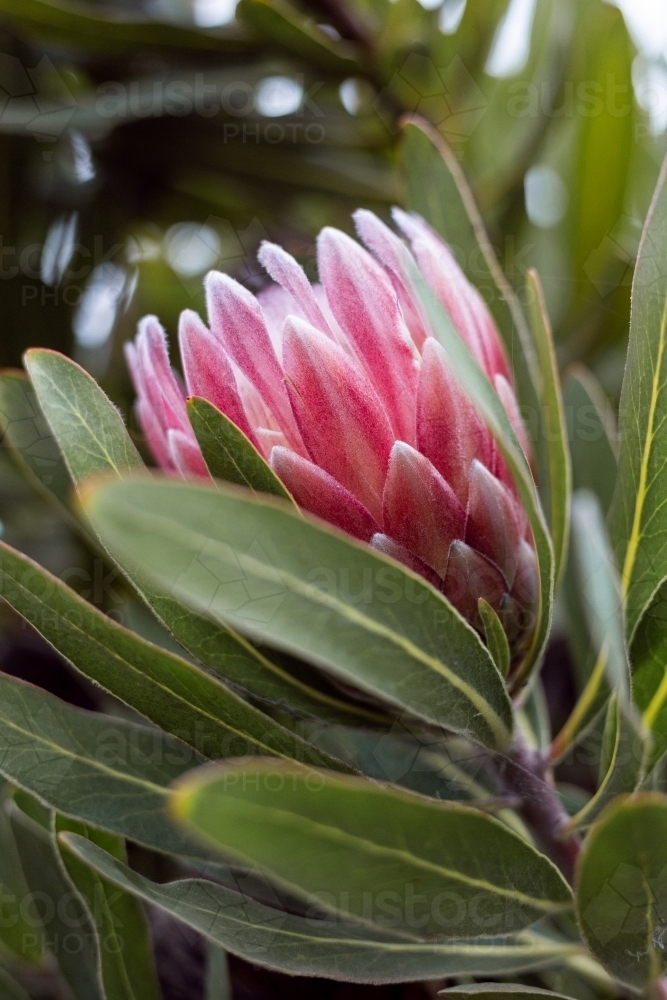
{"points": [[524, 774]]}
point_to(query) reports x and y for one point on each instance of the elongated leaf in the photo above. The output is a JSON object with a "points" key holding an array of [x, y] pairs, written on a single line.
{"points": [[637, 517], [535, 714], [596, 208], [496, 991], [560, 479], [27, 434], [588, 707], [335, 841], [438, 190], [593, 443], [482, 394], [81, 27], [601, 591], [169, 691], [93, 439], [624, 770], [98, 769], [66, 927], [311, 591], [592, 434], [17, 936], [284, 24], [125, 956], [81, 414], [228, 453], [218, 979], [496, 638], [304, 946], [248, 669], [622, 889], [649, 662]]}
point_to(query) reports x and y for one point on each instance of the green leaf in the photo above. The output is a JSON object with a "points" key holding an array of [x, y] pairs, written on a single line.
{"points": [[487, 401], [637, 518], [593, 439], [64, 925], [93, 439], [26, 432], [304, 946], [438, 190], [534, 715], [592, 434], [311, 591], [286, 25], [496, 638], [101, 770], [335, 841], [228, 453], [621, 890], [649, 660], [17, 936], [125, 955], [624, 770], [605, 52], [560, 478], [81, 27], [169, 691], [496, 991], [601, 591], [218, 980], [248, 669], [78, 412]]}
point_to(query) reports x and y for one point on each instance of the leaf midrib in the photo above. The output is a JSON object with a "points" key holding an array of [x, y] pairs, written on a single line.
{"points": [[183, 534], [91, 762], [152, 681], [637, 529], [529, 942], [77, 413], [314, 830]]}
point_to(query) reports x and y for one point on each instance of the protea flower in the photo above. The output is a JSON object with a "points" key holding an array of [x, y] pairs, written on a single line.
{"points": [[354, 404]]}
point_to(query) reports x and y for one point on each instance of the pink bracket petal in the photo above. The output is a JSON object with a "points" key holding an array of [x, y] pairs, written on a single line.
{"points": [[494, 524], [389, 547], [342, 421], [284, 269], [365, 305], [395, 256], [420, 508], [315, 491], [469, 577], [186, 455], [449, 431], [236, 319], [157, 378], [208, 372]]}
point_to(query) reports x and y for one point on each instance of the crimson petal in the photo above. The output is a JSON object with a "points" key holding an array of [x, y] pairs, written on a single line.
{"points": [[420, 508], [208, 372], [320, 494], [365, 305], [343, 423]]}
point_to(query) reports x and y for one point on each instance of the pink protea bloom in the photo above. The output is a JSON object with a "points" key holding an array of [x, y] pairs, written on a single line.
{"points": [[354, 404]]}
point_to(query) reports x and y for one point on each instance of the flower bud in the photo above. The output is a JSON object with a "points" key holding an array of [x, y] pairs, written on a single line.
{"points": [[343, 389]]}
